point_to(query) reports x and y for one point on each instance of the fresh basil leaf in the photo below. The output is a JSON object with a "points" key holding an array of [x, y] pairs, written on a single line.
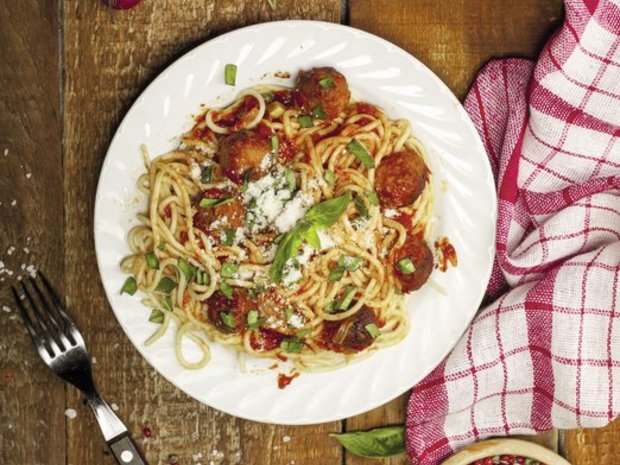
{"points": [[318, 112], [228, 319], [330, 177], [326, 82], [206, 174], [336, 274], [360, 206], [166, 285], [226, 290], [161, 246], [372, 330], [311, 237], [350, 263], [229, 237], [305, 121], [157, 316], [349, 293], [207, 203], [291, 345], [325, 214], [186, 268], [229, 269], [130, 287], [360, 152], [287, 248], [377, 443], [152, 261], [167, 303], [302, 333], [372, 197]]}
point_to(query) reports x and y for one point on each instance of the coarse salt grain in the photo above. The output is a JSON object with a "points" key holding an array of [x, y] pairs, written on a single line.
{"points": [[114, 406], [11, 250], [13, 203], [28, 175], [6, 309], [286, 439], [6, 152], [70, 413], [93, 360]]}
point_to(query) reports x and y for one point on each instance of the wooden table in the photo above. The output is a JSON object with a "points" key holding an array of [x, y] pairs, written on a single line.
{"points": [[69, 71]]}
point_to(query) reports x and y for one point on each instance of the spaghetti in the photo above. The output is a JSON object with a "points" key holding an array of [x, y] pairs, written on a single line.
{"points": [[288, 225]]}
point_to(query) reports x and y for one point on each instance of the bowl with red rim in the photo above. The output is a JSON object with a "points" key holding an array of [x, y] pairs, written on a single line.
{"points": [[505, 452]]}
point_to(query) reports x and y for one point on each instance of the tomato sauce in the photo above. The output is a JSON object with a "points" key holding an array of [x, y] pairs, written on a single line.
{"points": [[289, 98], [168, 211], [268, 339], [236, 118], [285, 380], [447, 254], [367, 109], [287, 150], [506, 460]]}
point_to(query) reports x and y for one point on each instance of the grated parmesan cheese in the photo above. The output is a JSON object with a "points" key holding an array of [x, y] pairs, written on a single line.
{"points": [[390, 213], [296, 321], [195, 171], [327, 241], [293, 211]]}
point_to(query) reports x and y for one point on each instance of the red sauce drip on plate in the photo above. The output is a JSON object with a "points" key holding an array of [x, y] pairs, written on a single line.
{"points": [[447, 254], [285, 380]]}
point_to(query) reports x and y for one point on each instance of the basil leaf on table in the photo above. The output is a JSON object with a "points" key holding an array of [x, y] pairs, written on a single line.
{"points": [[375, 443]]}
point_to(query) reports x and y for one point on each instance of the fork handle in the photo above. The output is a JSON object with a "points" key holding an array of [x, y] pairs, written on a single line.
{"points": [[125, 451]]}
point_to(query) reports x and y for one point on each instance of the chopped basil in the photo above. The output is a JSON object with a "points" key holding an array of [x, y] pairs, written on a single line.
{"points": [[326, 83], [336, 274], [252, 317], [360, 206], [287, 248], [325, 214], [372, 330], [303, 333], [330, 177], [291, 345], [289, 175], [288, 313], [372, 197], [229, 269], [186, 268], [161, 246], [254, 291], [275, 143], [157, 316], [226, 290], [346, 300], [246, 181], [206, 203], [360, 152], [130, 287], [207, 173], [229, 237], [305, 121], [167, 303], [312, 237], [152, 261], [380, 442], [202, 278], [331, 306], [319, 112], [350, 263], [406, 266], [230, 74], [166, 285], [228, 319]]}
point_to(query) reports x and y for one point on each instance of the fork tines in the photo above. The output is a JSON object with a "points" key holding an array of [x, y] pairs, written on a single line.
{"points": [[48, 323]]}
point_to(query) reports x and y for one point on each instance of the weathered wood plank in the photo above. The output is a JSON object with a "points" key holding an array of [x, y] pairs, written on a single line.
{"points": [[453, 38], [31, 211], [109, 58], [593, 446]]}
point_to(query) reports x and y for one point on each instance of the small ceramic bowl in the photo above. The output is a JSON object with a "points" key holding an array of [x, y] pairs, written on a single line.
{"points": [[495, 447]]}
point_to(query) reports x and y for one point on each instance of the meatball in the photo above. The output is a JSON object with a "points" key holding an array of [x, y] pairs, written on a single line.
{"points": [[325, 88], [243, 153], [229, 315], [421, 256], [400, 179], [350, 334], [212, 220]]}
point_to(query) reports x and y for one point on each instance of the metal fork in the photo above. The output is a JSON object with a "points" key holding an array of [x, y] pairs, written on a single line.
{"points": [[62, 348]]}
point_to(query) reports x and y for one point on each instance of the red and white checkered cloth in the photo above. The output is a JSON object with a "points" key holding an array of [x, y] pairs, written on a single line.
{"points": [[546, 352]]}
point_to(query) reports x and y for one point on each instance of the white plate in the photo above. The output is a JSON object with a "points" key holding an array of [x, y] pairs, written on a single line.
{"points": [[378, 72]]}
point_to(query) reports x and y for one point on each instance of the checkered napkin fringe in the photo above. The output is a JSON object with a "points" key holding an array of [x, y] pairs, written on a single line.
{"points": [[546, 352]]}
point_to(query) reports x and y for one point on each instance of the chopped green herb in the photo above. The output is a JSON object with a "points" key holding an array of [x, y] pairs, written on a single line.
{"points": [[350, 263], [331, 306], [336, 274], [303, 333], [252, 317], [372, 197], [206, 203], [161, 246], [275, 143], [246, 181], [305, 121], [326, 83], [130, 287], [229, 237], [330, 177], [406, 266], [157, 316], [289, 175], [312, 237], [228, 319], [230, 74], [229, 269], [372, 330], [167, 303], [152, 261], [226, 290], [360, 206], [187, 269], [166, 285], [207, 173], [202, 277], [254, 291], [291, 345], [325, 214], [319, 112], [360, 152], [288, 313], [346, 300]]}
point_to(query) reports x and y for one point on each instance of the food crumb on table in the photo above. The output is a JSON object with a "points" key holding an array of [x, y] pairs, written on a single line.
{"points": [[70, 413], [286, 439], [114, 406], [6, 309]]}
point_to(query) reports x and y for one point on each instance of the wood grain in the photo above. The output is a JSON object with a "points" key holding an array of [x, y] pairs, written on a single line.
{"points": [[593, 446], [31, 219], [454, 39], [109, 58]]}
